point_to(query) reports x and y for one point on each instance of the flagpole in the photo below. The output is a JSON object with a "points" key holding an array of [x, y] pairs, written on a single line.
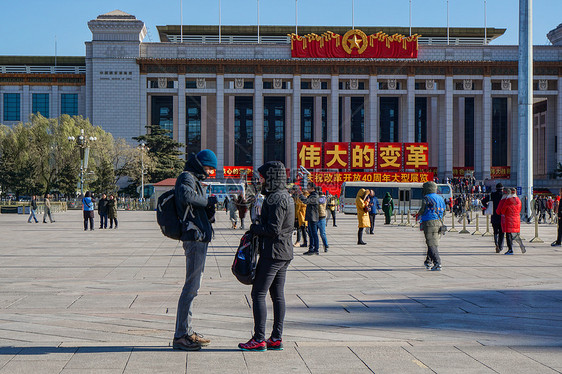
{"points": [[447, 22], [352, 14], [410, 17], [485, 25], [181, 21], [258, 21], [296, 17], [220, 22]]}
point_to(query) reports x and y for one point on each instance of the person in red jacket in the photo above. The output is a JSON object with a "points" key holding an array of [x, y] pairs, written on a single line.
{"points": [[510, 208]]}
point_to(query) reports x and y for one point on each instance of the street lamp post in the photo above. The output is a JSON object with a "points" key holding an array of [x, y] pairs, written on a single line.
{"points": [[83, 143], [143, 148]]}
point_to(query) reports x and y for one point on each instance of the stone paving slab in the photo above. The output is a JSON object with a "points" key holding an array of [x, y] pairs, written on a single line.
{"points": [[105, 302]]}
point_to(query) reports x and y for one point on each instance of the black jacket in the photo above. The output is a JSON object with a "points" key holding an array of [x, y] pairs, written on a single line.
{"points": [[312, 209], [277, 214], [495, 197], [102, 206], [33, 204], [189, 195]]}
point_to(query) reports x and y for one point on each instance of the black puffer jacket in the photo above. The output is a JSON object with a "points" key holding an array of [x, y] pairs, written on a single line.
{"points": [[312, 202], [189, 194], [277, 214]]}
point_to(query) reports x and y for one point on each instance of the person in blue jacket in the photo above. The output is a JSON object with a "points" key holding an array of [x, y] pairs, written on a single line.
{"points": [[431, 217], [88, 207], [374, 207]]}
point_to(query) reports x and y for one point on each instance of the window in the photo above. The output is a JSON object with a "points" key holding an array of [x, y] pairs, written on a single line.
{"points": [[421, 120], [357, 119], [469, 131], [248, 85], [40, 104], [274, 128], [69, 104], [267, 85], [499, 131], [388, 119], [305, 85], [163, 113], [243, 130], [324, 118], [193, 124], [11, 107], [307, 119], [190, 84]]}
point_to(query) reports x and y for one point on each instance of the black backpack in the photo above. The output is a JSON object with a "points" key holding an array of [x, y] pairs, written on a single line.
{"points": [[167, 215], [246, 259]]}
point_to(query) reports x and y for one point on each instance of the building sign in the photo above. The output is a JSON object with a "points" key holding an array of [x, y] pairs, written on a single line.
{"points": [[380, 157], [354, 43], [461, 172], [238, 172], [500, 172]]}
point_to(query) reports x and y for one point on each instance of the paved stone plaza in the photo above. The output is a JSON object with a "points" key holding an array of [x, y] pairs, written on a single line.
{"points": [[105, 301]]}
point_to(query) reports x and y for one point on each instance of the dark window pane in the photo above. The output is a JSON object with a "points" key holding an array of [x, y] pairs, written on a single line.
{"points": [[162, 113], [469, 131], [274, 128], [421, 120], [11, 107], [243, 130], [357, 119], [307, 119], [193, 124], [69, 104], [389, 119], [499, 131], [40, 104]]}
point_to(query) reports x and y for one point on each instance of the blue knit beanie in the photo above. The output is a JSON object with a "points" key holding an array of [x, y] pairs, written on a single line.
{"points": [[207, 158]]}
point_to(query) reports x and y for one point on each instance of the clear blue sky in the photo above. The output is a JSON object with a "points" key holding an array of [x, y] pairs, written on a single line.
{"points": [[29, 27]]}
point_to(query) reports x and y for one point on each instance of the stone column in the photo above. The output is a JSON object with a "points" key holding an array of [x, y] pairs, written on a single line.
{"points": [[175, 118], [296, 117], [372, 120], [334, 110], [143, 105], [318, 118], [289, 136], [486, 149], [258, 122], [26, 103], [459, 139], [229, 138], [182, 123], [478, 131], [346, 108], [220, 126], [55, 103], [409, 135], [559, 122], [446, 131]]}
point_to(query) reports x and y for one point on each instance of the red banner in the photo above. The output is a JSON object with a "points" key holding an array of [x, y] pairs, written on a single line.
{"points": [[333, 181], [416, 156], [354, 43], [238, 171], [363, 156], [460, 172], [309, 155], [500, 172], [336, 155]]}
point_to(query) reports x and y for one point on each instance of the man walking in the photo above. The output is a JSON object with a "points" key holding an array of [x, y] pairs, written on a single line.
{"points": [[197, 233], [47, 212], [33, 210]]}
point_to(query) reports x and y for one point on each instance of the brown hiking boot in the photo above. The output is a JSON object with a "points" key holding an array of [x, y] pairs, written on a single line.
{"points": [[186, 344], [198, 338]]}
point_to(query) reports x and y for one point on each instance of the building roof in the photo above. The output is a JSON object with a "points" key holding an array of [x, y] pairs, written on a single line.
{"points": [[116, 15], [270, 30], [169, 182], [43, 60]]}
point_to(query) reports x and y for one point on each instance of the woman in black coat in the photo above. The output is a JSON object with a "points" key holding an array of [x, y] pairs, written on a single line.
{"points": [[275, 230]]}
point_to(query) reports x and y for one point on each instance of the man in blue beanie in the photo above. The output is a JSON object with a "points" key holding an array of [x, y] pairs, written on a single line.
{"points": [[198, 211]]}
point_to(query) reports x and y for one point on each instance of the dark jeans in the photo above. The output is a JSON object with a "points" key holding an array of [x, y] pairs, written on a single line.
{"points": [[88, 217], [333, 213], [372, 219], [313, 236], [112, 221], [270, 275], [498, 235], [559, 236], [103, 220]]}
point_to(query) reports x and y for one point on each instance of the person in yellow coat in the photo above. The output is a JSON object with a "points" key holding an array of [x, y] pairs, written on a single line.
{"points": [[300, 212], [362, 204]]}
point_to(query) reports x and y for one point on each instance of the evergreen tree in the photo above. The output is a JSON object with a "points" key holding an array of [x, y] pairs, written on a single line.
{"points": [[165, 151]]}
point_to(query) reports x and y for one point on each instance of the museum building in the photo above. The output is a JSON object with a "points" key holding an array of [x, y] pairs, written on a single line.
{"points": [[252, 95]]}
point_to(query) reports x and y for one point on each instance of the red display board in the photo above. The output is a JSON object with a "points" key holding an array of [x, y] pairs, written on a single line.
{"points": [[238, 171], [336, 155], [354, 43], [363, 155], [500, 172], [416, 156], [309, 155], [389, 156]]}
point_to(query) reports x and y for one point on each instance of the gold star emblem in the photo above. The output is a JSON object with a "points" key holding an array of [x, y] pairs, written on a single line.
{"points": [[355, 39]]}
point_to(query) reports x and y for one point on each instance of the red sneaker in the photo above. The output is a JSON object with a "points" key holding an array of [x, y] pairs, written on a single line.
{"points": [[253, 345], [274, 345]]}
